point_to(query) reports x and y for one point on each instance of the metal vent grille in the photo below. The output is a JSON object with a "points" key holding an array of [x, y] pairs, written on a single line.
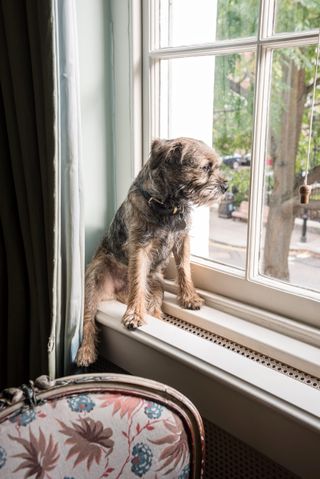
{"points": [[244, 351], [229, 458]]}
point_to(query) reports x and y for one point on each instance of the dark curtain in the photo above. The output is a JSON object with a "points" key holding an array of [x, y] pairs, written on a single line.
{"points": [[27, 185]]}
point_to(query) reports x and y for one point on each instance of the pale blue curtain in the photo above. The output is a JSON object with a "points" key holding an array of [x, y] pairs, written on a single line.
{"points": [[66, 327]]}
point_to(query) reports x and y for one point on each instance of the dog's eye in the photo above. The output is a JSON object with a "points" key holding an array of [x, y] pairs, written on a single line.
{"points": [[207, 167]]}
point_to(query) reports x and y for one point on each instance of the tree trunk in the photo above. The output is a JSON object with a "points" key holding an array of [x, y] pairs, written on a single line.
{"points": [[282, 211]]}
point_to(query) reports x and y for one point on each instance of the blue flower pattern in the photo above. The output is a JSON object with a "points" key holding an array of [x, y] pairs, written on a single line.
{"points": [[185, 473], [142, 454], [3, 457], [24, 418], [142, 459], [81, 403], [153, 410]]}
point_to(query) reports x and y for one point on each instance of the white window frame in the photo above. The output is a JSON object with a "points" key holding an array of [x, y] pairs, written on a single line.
{"points": [[263, 301], [230, 390]]}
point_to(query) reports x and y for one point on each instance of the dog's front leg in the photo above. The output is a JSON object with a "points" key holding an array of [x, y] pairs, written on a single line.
{"points": [[138, 270], [188, 297]]}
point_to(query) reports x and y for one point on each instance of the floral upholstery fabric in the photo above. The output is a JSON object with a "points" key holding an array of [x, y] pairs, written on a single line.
{"points": [[96, 435]]}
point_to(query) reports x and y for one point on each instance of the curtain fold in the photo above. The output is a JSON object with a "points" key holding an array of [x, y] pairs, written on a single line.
{"points": [[69, 320], [27, 186]]}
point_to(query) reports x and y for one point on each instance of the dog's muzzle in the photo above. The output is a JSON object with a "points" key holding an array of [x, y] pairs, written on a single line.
{"points": [[224, 187]]}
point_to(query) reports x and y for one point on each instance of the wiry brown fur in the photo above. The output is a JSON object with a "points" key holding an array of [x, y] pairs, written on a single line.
{"points": [[152, 222]]}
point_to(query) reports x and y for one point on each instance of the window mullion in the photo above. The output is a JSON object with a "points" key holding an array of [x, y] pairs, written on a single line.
{"points": [[260, 134], [147, 26], [267, 18], [262, 95], [151, 74]]}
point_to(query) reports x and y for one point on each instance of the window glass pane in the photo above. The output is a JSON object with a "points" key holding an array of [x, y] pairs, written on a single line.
{"points": [[290, 245], [187, 22], [211, 99], [296, 16]]}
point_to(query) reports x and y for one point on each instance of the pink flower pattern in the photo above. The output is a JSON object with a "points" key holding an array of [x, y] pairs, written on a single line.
{"points": [[95, 435]]}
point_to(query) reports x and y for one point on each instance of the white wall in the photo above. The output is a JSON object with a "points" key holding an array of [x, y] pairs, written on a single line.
{"points": [[94, 39], [111, 127], [126, 93]]}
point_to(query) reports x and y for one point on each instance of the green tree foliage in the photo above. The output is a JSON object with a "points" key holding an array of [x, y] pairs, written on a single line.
{"points": [[234, 79], [289, 117], [233, 103], [237, 18], [297, 15], [235, 75], [304, 59], [239, 180]]}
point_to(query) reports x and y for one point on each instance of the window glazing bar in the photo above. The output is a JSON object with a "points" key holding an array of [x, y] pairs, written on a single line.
{"points": [[237, 46]]}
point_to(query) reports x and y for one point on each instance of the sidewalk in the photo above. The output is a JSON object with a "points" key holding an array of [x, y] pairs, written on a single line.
{"points": [[234, 233]]}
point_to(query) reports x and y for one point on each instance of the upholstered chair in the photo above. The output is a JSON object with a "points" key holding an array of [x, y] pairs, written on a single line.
{"points": [[99, 426]]}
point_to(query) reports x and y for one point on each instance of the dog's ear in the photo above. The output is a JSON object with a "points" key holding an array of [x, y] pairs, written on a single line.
{"points": [[165, 151], [174, 154], [159, 150]]}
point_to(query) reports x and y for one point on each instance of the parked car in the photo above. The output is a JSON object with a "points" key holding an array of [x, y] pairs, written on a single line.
{"points": [[232, 160], [236, 160], [246, 160]]}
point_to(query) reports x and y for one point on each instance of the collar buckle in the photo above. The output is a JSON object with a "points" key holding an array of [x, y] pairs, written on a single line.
{"points": [[163, 208]]}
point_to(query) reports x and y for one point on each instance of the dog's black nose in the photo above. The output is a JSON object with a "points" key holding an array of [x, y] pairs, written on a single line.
{"points": [[224, 186]]}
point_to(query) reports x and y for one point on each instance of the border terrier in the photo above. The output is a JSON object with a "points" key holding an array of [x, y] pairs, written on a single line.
{"points": [[153, 221]]}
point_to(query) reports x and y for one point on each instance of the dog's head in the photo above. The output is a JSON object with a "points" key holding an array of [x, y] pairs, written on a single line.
{"points": [[189, 168]]}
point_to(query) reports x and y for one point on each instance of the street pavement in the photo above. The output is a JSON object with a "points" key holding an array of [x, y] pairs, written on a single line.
{"points": [[227, 244], [233, 232]]}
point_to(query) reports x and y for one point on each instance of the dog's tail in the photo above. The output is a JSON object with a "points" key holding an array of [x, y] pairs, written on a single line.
{"points": [[94, 293]]}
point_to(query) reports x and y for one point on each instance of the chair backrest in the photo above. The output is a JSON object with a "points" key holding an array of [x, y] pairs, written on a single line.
{"points": [[99, 425]]}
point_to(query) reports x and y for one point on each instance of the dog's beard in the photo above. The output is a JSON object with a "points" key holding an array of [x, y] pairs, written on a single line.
{"points": [[205, 195], [208, 197]]}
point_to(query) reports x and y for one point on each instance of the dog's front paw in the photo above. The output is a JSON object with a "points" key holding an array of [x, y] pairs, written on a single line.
{"points": [[86, 355], [157, 313], [193, 301], [132, 320]]}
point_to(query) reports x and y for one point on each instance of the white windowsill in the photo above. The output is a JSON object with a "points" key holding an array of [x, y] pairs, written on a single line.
{"points": [[289, 395], [297, 353], [277, 415]]}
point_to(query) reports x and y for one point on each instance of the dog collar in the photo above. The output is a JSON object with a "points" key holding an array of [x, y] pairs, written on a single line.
{"points": [[163, 208]]}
